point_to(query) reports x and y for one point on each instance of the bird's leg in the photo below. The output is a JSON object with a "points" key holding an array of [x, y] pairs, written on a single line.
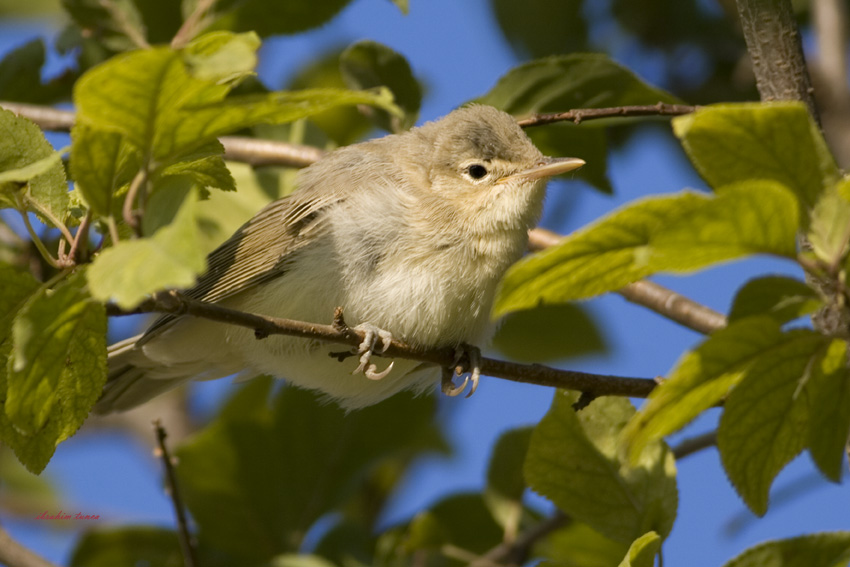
{"points": [[473, 355], [367, 348]]}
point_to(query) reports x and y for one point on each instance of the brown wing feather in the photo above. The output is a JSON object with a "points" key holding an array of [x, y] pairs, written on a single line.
{"points": [[257, 251]]}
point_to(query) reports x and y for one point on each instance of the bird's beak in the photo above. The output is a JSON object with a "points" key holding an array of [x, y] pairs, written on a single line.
{"points": [[546, 168]]}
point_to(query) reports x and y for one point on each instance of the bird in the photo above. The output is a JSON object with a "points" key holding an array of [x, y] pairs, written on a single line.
{"points": [[410, 234]]}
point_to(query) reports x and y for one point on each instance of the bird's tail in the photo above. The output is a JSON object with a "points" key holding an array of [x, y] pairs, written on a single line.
{"points": [[133, 378]]}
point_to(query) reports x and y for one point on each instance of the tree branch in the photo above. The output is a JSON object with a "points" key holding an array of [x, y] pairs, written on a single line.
{"points": [[174, 303], [695, 444], [13, 554]]}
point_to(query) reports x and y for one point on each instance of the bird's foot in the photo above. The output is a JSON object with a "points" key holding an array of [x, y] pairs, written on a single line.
{"points": [[473, 357], [368, 347]]}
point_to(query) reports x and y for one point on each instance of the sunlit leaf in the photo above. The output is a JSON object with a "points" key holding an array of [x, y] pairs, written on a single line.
{"points": [[750, 347], [23, 144], [679, 233], [131, 270], [730, 143], [642, 551], [828, 390], [783, 298], [829, 549], [766, 417]]}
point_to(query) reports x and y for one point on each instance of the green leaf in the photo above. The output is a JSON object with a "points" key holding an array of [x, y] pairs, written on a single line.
{"points": [[548, 332], [217, 119], [782, 298], [23, 144], [112, 21], [828, 389], [142, 95], [55, 372], [462, 520], [679, 233], [504, 474], [828, 549], [131, 270], [241, 465], [149, 546], [205, 167], [273, 18], [368, 64], [578, 545], [58, 343], [505, 483], [101, 163], [20, 76], [152, 99], [829, 228], [24, 495], [538, 28], [731, 143], [573, 460], [17, 287], [642, 551], [343, 125], [570, 81], [32, 170], [765, 418], [705, 375], [222, 57]]}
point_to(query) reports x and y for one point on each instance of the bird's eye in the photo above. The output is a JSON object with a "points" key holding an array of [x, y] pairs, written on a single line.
{"points": [[476, 171]]}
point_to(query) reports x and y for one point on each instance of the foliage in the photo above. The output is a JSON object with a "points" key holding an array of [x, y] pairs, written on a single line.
{"points": [[149, 180]]}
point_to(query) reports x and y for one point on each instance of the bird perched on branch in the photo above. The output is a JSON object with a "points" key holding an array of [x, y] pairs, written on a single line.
{"points": [[409, 233]]}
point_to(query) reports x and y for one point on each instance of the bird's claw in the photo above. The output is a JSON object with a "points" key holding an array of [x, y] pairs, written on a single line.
{"points": [[473, 354], [367, 347]]}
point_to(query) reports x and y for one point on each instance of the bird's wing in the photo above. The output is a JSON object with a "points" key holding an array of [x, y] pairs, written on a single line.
{"points": [[258, 251]]}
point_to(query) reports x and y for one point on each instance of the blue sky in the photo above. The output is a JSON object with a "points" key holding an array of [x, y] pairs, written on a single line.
{"points": [[457, 50]]}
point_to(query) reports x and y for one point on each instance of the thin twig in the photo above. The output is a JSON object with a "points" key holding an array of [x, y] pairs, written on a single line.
{"points": [[599, 385], [695, 444], [36, 240], [192, 24], [578, 115], [133, 217], [13, 554], [187, 543], [80, 242], [517, 551], [112, 225], [45, 212]]}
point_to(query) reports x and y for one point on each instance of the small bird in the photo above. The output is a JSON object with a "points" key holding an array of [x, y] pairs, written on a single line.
{"points": [[409, 233]]}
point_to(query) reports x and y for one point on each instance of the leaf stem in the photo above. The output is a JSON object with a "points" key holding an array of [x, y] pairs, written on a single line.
{"points": [[42, 249], [131, 217], [51, 217]]}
